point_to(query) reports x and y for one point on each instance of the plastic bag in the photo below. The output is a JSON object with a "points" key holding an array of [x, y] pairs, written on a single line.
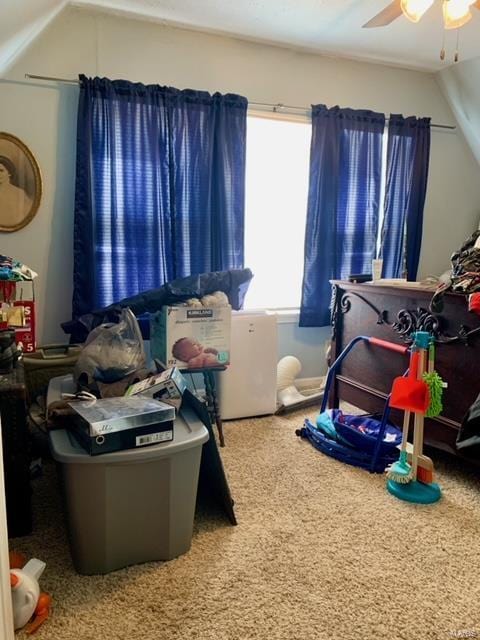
{"points": [[111, 351]]}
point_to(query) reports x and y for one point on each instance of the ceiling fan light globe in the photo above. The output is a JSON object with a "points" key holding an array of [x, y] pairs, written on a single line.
{"points": [[414, 9], [456, 13]]}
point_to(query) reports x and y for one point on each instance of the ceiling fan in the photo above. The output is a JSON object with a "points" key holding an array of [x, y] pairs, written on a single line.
{"points": [[456, 13]]}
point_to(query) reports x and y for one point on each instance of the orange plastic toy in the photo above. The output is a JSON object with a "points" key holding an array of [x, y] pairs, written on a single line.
{"points": [[19, 580], [42, 611], [409, 393]]}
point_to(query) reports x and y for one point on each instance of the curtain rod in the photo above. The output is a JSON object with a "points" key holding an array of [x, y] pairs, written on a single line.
{"points": [[276, 108]]}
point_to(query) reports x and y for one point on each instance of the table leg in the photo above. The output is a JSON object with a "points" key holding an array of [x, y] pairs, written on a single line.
{"points": [[211, 395]]}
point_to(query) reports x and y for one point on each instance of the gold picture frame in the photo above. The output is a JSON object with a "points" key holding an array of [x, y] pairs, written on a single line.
{"points": [[20, 183]]}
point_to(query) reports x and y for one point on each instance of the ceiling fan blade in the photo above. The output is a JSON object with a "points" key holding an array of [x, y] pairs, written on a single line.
{"points": [[477, 4], [385, 17]]}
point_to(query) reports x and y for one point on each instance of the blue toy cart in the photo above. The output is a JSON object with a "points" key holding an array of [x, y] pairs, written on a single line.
{"points": [[361, 441]]}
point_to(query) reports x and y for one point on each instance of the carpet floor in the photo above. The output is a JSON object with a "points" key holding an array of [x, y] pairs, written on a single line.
{"points": [[321, 551]]}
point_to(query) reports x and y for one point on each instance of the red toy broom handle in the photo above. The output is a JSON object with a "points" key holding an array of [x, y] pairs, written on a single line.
{"points": [[390, 346], [414, 361]]}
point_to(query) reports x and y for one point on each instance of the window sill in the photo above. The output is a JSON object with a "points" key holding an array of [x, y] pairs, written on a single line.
{"points": [[284, 316]]}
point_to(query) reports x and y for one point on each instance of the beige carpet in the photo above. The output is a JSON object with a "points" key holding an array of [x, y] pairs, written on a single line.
{"points": [[321, 551]]}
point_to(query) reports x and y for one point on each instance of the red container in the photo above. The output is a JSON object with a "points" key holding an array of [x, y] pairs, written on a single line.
{"points": [[21, 294], [25, 336]]}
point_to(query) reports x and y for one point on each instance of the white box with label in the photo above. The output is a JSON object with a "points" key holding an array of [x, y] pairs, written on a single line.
{"points": [[191, 337]]}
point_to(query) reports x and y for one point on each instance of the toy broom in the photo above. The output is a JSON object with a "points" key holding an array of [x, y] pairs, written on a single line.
{"points": [[414, 483], [401, 471]]}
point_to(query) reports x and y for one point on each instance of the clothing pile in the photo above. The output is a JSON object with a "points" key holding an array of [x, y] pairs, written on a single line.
{"points": [[465, 275], [15, 271]]}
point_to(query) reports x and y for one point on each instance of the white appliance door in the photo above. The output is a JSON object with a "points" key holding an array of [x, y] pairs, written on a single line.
{"points": [[249, 385]]}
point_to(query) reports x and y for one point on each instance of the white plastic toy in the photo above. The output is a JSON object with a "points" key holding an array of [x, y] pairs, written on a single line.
{"points": [[26, 597], [288, 396]]}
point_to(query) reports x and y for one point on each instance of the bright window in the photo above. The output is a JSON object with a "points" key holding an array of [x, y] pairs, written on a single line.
{"points": [[278, 155]]}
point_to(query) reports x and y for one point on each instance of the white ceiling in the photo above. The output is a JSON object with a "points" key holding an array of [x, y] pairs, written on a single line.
{"points": [[326, 26]]}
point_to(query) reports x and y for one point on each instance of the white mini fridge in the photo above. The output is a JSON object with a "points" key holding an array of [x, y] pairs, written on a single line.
{"points": [[249, 385]]}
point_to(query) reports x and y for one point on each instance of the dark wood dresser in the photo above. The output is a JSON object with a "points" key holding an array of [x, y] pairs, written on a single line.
{"points": [[16, 451], [394, 313]]}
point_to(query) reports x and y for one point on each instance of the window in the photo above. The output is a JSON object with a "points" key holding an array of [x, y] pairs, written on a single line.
{"points": [[277, 176], [277, 170]]}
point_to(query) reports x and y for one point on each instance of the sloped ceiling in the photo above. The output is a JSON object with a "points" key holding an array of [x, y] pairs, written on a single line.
{"points": [[461, 86], [21, 22], [326, 26]]}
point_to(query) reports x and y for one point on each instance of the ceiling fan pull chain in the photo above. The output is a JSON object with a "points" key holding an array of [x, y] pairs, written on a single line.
{"points": [[442, 52], [456, 56]]}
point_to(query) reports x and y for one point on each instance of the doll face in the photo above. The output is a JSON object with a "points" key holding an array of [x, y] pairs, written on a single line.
{"points": [[4, 174], [186, 348]]}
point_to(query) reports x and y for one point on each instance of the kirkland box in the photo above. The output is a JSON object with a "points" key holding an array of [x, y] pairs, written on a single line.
{"points": [[191, 337], [167, 387], [114, 424]]}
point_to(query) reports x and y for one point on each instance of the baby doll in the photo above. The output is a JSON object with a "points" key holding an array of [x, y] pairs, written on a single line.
{"points": [[216, 299], [192, 352]]}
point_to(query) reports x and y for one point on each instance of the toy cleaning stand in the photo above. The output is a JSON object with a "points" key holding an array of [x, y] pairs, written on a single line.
{"points": [[413, 394], [361, 441]]}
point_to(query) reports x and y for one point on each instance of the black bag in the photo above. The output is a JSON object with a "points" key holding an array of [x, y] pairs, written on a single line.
{"points": [[468, 438], [234, 283]]}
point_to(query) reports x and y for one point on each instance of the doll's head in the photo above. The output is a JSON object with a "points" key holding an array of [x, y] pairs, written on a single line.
{"points": [[192, 352], [186, 348]]}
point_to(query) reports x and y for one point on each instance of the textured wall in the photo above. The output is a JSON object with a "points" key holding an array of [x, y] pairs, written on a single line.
{"points": [[44, 116]]}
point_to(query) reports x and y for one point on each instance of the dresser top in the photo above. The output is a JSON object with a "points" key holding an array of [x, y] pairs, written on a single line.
{"points": [[405, 288]]}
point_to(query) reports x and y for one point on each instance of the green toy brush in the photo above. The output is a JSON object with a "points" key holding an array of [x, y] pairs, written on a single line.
{"points": [[435, 385], [401, 471]]}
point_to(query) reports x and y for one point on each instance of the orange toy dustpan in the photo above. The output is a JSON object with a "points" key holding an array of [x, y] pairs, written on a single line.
{"points": [[409, 393]]}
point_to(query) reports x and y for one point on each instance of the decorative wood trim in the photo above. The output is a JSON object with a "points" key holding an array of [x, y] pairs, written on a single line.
{"points": [[452, 424], [6, 613], [345, 306], [408, 320], [463, 336], [334, 310], [419, 319]]}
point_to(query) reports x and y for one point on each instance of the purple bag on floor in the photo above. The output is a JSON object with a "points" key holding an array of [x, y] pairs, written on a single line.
{"points": [[361, 432]]}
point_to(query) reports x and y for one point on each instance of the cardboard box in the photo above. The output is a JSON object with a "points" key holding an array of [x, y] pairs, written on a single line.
{"points": [[191, 337], [167, 387], [114, 424]]}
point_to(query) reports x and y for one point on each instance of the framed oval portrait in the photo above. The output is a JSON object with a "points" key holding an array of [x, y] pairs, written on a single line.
{"points": [[20, 183]]}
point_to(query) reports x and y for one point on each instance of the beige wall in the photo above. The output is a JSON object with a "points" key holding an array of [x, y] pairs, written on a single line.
{"points": [[44, 116]]}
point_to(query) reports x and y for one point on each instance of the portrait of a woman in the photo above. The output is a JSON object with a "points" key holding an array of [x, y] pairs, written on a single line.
{"points": [[14, 202], [20, 184]]}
